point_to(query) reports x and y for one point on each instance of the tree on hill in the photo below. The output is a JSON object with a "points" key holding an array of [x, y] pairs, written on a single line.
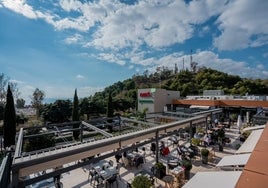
{"points": [[187, 82], [75, 115], [9, 120]]}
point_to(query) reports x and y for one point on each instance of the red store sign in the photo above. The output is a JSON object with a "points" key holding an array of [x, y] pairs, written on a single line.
{"points": [[146, 94]]}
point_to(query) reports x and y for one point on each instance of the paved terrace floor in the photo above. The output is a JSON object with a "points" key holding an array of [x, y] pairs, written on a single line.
{"points": [[79, 178]]}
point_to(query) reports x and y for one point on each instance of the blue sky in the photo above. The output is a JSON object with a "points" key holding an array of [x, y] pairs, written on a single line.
{"points": [[58, 46]]}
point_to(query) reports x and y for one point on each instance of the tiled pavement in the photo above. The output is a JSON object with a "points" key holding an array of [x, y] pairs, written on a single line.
{"points": [[79, 178]]}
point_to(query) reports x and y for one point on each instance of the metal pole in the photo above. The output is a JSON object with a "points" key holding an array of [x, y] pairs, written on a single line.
{"points": [[81, 132], [156, 148]]}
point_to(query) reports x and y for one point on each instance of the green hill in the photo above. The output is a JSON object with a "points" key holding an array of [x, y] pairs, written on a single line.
{"points": [[187, 82]]}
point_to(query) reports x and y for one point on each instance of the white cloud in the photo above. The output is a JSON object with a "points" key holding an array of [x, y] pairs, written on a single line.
{"points": [[155, 23], [79, 77], [21, 7], [243, 24], [69, 5], [17, 81], [88, 90], [212, 60], [260, 66], [74, 39], [112, 58], [131, 66]]}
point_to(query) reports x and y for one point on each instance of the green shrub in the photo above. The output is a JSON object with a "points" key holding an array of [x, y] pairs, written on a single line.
{"points": [[141, 182], [187, 164], [204, 152], [195, 141]]}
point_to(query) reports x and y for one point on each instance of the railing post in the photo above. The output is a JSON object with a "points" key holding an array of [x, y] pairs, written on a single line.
{"points": [[157, 147], [81, 132], [191, 130]]}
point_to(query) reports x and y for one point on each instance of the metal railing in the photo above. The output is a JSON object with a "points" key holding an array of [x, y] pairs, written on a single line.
{"points": [[5, 170]]}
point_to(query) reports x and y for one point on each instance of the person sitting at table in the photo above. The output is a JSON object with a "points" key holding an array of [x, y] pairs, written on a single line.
{"points": [[118, 156], [135, 148], [165, 151], [125, 159], [144, 154], [206, 140], [161, 148], [179, 151], [153, 147]]}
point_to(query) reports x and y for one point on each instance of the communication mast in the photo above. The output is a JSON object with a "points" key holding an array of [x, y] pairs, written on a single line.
{"points": [[193, 64]]}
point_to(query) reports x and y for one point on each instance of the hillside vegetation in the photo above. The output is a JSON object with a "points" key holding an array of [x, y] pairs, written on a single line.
{"points": [[187, 82]]}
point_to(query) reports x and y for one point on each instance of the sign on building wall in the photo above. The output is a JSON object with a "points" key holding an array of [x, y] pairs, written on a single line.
{"points": [[146, 97]]}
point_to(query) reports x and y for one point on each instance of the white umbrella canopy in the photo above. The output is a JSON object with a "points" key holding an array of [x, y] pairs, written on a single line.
{"points": [[239, 122]]}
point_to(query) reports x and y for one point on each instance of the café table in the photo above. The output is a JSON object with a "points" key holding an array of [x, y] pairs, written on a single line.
{"points": [[178, 173], [135, 158], [104, 169], [168, 179]]}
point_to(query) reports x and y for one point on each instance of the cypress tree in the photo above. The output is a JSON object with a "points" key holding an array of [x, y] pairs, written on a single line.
{"points": [[110, 111], [75, 116], [9, 120]]}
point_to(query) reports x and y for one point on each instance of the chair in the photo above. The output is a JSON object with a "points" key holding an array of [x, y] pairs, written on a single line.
{"points": [[92, 175], [99, 180], [112, 179], [118, 166], [111, 163]]}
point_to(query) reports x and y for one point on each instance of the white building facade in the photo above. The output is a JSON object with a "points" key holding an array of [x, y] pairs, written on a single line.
{"points": [[155, 100]]}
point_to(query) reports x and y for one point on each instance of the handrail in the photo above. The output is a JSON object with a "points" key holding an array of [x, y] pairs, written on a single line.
{"points": [[19, 144], [97, 129], [62, 136]]}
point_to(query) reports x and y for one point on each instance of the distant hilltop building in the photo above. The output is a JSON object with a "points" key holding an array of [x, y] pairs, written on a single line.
{"points": [[26, 111], [213, 92]]}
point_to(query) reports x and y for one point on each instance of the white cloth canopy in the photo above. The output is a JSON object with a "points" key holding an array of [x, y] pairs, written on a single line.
{"points": [[239, 122], [254, 128], [250, 143], [234, 160], [212, 179], [200, 107]]}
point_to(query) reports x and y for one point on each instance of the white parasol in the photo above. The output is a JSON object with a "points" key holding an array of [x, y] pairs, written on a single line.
{"points": [[239, 122]]}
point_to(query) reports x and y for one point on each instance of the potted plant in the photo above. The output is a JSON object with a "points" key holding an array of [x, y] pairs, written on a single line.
{"points": [[187, 165], [204, 155], [159, 170], [195, 141], [141, 182]]}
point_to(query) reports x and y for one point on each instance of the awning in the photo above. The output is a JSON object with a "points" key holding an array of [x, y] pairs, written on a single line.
{"points": [[212, 179], [200, 107], [234, 160], [250, 143]]}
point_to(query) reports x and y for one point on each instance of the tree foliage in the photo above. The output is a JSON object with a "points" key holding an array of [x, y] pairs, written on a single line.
{"points": [[4, 82], [20, 103], [38, 142], [9, 120], [37, 98], [58, 112], [110, 110]]}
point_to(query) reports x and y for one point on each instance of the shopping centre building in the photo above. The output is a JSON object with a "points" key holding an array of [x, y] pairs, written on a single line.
{"points": [[156, 100]]}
